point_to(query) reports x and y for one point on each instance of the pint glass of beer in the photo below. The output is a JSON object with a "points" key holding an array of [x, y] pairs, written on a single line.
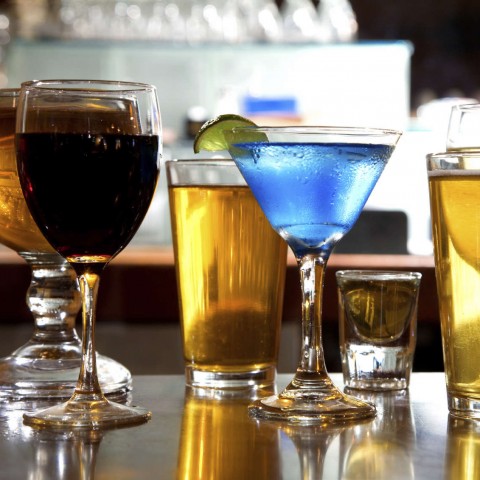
{"points": [[230, 267], [454, 182]]}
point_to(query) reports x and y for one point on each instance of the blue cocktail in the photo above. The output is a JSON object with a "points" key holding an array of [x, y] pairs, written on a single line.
{"points": [[311, 183]]}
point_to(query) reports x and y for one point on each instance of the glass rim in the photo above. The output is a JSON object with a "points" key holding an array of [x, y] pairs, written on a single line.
{"points": [[62, 85], [9, 92], [198, 172], [379, 274], [319, 129], [466, 106], [453, 163], [200, 161], [455, 154]]}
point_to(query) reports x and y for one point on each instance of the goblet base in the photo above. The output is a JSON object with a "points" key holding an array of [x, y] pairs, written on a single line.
{"points": [[43, 371], [93, 415], [312, 407]]}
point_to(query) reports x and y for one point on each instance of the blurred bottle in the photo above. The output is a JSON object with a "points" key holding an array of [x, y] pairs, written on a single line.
{"points": [[263, 19], [300, 21], [196, 117], [234, 22], [337, 22]]}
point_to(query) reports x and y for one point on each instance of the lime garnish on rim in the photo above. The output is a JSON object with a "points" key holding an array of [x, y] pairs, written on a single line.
{"points": [[211, 136]]}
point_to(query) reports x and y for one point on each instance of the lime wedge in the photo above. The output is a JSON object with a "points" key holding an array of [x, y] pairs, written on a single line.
{"points": [[211, 136]]}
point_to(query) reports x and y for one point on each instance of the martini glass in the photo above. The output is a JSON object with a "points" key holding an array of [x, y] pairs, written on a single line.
{"points": [[88, 163], [47, 365], [311, 183]]}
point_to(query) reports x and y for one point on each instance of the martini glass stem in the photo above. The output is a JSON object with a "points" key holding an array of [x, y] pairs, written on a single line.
{"points": [[312, 271], [311, 372]]}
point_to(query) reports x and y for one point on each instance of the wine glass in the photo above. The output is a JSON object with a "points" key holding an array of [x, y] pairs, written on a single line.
{"points": [[88, 163], [47, 365], [311, 183], [463, 131]]}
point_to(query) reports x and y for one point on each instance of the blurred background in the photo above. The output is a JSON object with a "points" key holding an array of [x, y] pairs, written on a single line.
{"points": [[365, 62]]}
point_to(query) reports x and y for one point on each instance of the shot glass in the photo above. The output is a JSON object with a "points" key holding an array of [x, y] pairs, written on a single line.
{"points": [[454, 185], [377, 327], [230, 267]]}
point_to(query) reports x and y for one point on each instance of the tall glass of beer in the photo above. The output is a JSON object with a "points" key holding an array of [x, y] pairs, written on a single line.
{"points": [[230, 267], [454, 183]]}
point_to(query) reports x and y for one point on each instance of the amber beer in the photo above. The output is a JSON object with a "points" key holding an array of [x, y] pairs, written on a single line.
{"points": [[463, 449], [454, 182], [17, 228], [230, 271], [219, 441]]}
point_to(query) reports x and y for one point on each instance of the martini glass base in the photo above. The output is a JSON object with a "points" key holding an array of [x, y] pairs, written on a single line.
{"points": [[42, 371], [312, 408], [101, 414]]}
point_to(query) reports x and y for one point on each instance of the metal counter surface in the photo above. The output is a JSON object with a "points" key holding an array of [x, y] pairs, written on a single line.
{"points": [[194, 437]]}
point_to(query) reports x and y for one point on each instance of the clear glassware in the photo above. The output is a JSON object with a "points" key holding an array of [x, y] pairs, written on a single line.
{"points": [[311, 183], [234, 23], [337, 21], [47, 365], [463, 132], [300, 21], [88, 163], [263, 20]]}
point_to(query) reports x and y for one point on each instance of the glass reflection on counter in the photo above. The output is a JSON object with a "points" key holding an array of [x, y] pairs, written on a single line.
{"points": [[312, 442], [462, 459], [386, 445], [65, 455], [219, 440], [49, 454]]}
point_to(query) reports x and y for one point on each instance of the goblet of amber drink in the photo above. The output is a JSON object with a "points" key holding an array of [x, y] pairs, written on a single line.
{"points": [[47, 365], [88, 163]]}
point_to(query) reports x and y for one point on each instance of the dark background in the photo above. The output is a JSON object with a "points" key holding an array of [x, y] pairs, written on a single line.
{"points": [[446, 39]]}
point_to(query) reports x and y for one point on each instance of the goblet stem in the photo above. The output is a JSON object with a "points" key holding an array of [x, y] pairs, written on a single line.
{"points": [[53, 299], [47, 365]]}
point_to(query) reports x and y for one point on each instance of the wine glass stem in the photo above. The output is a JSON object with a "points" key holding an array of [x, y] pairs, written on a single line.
{"points": [[312, 270], [88, 379]]}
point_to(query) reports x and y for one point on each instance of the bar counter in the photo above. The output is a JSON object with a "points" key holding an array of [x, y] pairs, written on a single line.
{"points": [[200, 437], [138, 292], [140, 285]]}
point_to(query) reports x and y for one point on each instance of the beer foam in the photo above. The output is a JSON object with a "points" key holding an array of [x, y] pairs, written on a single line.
{"points": [[454, 173]]}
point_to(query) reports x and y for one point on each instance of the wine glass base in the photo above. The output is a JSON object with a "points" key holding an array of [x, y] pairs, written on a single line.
{"points": [[51, 371], [103, 414], [312, 409]]}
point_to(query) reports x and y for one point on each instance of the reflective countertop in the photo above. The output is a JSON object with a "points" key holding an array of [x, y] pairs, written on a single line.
{"points": [[198, 437]]}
